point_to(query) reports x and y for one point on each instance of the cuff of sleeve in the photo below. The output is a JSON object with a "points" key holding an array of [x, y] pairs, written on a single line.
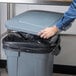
{"points": [[59, 26]]}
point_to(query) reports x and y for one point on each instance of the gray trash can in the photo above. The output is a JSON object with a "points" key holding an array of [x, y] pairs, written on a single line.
{"points": [[28, 54]]}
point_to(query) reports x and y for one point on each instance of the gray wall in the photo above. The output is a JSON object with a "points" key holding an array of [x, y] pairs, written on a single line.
{"points": [[67, 55], [3, 18], [3, 11]]}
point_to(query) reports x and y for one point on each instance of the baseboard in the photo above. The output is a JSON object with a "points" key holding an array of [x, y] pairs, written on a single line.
{"points": [[57, 68], [64, 69], [3, 63]]}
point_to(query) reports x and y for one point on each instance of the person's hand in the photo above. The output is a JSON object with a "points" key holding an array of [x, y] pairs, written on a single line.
{"points": [[48, 32]]}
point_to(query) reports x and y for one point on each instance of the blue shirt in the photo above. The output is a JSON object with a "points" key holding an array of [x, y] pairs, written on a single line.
{"points": [[68, 18]]}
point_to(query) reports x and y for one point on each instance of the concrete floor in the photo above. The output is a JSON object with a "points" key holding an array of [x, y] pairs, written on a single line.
{"points": [[4, 73]]}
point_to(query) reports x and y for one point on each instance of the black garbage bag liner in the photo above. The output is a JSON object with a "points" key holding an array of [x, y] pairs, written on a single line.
{"points": [[24, 42]]}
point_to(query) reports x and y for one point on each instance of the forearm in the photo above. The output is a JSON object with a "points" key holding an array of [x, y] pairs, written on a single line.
{"points": [[68, 17]]}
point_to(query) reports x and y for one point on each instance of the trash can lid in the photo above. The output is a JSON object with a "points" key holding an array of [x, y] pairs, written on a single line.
{"points": [[33, 21]]}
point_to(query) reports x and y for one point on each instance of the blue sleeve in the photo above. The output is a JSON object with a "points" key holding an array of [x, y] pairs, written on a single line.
{"points": [[68, 17]]}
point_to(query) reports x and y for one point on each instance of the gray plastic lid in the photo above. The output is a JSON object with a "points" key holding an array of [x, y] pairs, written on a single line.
{"points": [[33, 21]]}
